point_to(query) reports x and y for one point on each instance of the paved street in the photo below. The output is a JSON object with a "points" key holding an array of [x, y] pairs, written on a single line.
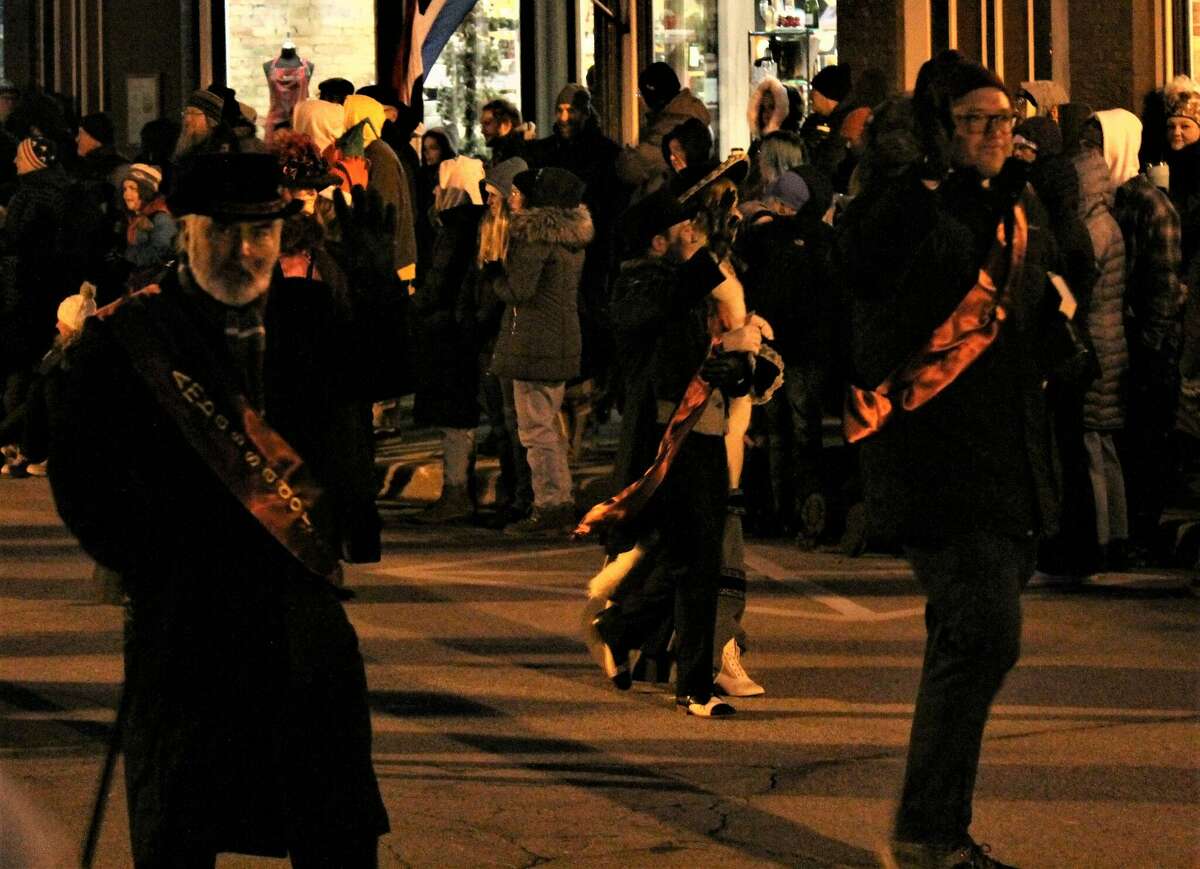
{"points": [[499, 743]]}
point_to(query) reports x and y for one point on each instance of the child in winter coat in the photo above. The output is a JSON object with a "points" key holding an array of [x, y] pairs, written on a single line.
{"points": [[150, 229]]}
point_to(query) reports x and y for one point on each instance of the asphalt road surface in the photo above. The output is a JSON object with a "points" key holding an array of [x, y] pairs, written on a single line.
{"points": [[499, 743]]}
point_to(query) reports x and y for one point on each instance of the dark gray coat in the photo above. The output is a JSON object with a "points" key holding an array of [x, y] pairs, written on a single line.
{"points": [[539, 336], [1104, 403]]}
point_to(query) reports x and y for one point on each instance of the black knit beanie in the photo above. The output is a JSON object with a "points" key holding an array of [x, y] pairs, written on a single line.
{"points": [[658, 84], [100, 127], [833, 82]]}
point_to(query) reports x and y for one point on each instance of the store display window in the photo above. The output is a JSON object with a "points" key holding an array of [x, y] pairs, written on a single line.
{"points": [[685, 36], [793, 41]]}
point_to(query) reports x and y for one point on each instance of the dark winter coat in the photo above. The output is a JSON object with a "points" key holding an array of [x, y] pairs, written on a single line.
{"points": [[591, 157], [390, 177], [40, 267], [539, 336], [643, 168], [248, 728], [507, 147], [977, 456], [1105, 400], [660, 321], [789, 283], [444, 323], [641, 303]]}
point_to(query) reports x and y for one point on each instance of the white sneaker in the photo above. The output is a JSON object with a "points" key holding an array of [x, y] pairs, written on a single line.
{"points": [[36, 469], [733, 680], [714, 707]]}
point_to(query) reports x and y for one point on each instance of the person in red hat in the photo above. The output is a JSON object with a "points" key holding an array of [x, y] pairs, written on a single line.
{"points": [[245, 719]]}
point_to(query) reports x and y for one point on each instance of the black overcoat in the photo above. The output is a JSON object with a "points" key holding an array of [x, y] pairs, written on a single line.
{"points": [[248, 728]]}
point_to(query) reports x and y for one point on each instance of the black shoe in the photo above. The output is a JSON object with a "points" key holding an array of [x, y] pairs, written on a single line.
{"points": [[921, 855]]}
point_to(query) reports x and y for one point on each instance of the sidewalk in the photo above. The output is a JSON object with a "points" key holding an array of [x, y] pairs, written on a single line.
{"points": [[409, 474]]}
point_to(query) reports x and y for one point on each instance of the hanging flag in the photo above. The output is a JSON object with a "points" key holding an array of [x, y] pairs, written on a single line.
{"points": [[428, 26]]}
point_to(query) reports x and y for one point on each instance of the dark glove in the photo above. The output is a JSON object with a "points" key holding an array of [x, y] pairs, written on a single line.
{"points": [[368, 230], [1011, 181], [729, 372]]}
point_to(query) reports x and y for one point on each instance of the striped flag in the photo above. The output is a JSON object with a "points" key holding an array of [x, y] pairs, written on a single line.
{"points": [[428, 26]]}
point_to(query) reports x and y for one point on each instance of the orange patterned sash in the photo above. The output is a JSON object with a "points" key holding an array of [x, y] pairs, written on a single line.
{"points": [[954, 345], [629, 501]]}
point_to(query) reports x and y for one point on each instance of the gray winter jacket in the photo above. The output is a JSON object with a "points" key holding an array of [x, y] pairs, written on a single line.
{"points": [[1104, 402], [539, 336]]}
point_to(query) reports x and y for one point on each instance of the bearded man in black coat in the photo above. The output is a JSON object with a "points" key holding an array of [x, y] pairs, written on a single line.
{"points": [[229, 397]]}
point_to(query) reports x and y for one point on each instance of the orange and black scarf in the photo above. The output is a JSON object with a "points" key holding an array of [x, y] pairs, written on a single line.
{"points": [[955, 344]]}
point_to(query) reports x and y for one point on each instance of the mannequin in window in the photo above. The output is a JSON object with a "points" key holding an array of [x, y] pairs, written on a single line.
{"points": [[288, 76]]}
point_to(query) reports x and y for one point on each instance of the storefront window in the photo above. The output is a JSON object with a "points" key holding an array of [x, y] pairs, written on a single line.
{"points": [[685, 36], [481, 62], [585, 36], [337, 36], [1193, 30], [794, 41]]}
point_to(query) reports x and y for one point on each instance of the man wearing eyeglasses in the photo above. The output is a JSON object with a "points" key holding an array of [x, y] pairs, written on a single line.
{"points": [[949, 409]]}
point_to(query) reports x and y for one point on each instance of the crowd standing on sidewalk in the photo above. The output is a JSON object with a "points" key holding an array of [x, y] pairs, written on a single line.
{"points": [[982, 283]]}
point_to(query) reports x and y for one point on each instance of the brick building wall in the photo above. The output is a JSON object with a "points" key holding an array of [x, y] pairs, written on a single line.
{"points": [[870, 34], [1016, 44], [1102, 54], [338, 36]]}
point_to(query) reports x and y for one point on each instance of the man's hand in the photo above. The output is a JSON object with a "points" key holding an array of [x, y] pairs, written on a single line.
{"points": [[368, 237]]}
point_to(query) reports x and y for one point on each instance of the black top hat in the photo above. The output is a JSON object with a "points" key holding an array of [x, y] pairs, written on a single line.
{"points": [[232, 187]]}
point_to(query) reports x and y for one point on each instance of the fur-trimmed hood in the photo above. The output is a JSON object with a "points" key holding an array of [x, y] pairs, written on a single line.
{"points": [[571, 227], [775, 121]]}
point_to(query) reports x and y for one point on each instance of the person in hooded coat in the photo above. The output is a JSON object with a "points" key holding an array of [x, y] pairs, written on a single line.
{"points": [[788, 249], [389, 177], [447, 350], [1105, 399], [540, 343], [644, 169], [1153, 307]]}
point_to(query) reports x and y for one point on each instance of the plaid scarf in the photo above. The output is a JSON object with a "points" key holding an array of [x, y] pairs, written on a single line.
{"points": [[245, 335]]}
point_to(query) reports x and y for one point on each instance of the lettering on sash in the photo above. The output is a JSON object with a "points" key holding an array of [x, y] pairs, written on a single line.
{"points": [[195, 395]]}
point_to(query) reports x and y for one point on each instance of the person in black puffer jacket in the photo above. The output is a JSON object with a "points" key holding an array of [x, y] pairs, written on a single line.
{"points": [[37, 268], [789, 282]]}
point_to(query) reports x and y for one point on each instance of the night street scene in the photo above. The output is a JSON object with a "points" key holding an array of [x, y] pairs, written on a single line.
{"points": [[599, 433]]}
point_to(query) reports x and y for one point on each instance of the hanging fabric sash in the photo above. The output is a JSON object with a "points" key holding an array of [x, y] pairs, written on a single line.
{"points": [[629, 501], [954, 345], [252, 460]]}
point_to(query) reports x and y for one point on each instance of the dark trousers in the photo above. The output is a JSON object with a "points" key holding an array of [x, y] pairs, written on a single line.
{"points": [[795, 417], [973, 620], [689, 512]]}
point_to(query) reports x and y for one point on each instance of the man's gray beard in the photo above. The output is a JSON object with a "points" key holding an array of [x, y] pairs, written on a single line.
{"points": [[187, 143]]}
